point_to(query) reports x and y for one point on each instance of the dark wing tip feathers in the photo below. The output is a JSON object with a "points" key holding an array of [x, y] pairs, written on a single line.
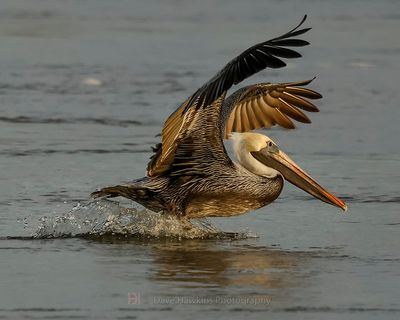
{"points": [[263, 55]]}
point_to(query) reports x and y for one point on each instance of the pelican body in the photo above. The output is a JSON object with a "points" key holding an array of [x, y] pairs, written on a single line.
{"points": [[190, 173]]}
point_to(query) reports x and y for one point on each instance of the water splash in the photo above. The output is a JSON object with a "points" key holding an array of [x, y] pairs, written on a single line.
{"points": [[102, 218]]}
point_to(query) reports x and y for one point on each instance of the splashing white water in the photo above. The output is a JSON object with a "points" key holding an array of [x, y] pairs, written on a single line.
{"points": [[104, 217]]}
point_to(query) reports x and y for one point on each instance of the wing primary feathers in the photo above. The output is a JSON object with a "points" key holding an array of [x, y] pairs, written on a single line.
{"points": [[283, 52], [293, 112], [254, 59], [299, 102], [238, 120], [267, 104], [246, 126], [283, 120], [306, 93], [291, 43], [293, 32], [255, 123]]}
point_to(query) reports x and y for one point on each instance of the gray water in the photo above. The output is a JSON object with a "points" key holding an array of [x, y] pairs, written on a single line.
{"points": [[84, 88]]}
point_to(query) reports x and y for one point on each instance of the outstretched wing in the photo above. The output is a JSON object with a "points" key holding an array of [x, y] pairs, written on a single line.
{"points": [[264, 105], [200, 146], [180, 124]]}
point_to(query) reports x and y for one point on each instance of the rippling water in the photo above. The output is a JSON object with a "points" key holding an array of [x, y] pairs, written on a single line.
{"points": [[84, 89]]}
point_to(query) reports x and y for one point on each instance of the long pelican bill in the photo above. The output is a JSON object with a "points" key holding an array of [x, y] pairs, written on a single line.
{"points": [[281, 162]]}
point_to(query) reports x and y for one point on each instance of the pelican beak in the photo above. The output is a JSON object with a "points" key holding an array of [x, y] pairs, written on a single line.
{"points": [[281, 162]]}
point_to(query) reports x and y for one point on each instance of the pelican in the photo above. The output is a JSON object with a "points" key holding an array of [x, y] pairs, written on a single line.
{"points": [[190, 173]]}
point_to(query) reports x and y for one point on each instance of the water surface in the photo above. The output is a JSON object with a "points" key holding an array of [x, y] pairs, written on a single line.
{"points": [[84, 88]]}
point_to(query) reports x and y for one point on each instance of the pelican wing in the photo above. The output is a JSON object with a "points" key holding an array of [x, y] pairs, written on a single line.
{"points": [[209, 98], [266, 104]]}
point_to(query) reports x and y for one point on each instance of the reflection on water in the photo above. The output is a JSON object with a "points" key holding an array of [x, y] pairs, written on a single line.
{"points": [[207, 263], [194, 264]]}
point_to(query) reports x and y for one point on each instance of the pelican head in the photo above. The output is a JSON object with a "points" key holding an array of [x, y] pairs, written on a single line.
{"points": [[260, 155]]}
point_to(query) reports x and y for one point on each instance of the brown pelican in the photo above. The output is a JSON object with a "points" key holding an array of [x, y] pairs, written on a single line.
{"points": [[190, 173]]}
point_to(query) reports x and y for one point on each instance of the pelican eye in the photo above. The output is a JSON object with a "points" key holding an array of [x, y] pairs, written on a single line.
{"points": [[272, 147]]}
